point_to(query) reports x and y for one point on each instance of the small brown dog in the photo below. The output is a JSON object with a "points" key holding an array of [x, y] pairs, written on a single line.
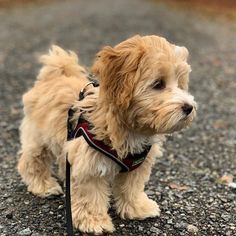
{"points": [[143, 95]]}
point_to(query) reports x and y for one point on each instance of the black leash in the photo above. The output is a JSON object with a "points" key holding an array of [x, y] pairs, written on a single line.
{"points": [[68, 200]]}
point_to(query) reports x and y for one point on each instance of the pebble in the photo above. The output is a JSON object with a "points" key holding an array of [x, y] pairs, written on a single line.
{"points": [[60, 207], [192, 229], [25, 232], [154, 230], [140, 228], [179, 225], [3, 124], [232, 185], [225, 217], [9, 200], [150, 192]]}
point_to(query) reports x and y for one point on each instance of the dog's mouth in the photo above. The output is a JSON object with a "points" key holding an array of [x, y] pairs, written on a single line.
{"points": [[175, 122], [184, 121]]}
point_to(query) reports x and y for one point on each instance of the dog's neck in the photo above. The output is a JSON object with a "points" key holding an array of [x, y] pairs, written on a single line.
{"points": [[109, 127]]}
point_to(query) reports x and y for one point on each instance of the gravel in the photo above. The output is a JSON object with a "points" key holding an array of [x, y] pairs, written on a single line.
{"points": [[194, 160]]}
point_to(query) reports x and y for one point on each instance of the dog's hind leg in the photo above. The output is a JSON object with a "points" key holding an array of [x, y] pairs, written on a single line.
{"points": [[34, 164], [130, 199]]}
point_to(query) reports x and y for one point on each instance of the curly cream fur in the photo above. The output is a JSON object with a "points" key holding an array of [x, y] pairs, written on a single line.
{"points": [[127, 113]]}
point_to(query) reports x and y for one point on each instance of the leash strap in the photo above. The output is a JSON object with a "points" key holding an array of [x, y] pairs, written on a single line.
{"points": [[68, 195], [68, 200]]}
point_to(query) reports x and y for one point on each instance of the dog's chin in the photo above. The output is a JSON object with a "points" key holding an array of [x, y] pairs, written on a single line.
{"points": [[183, 122]]}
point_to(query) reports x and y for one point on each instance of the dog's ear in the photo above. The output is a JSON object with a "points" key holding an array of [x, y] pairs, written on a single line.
{"points": [[182, 68], [116, 70], [181, 52]]}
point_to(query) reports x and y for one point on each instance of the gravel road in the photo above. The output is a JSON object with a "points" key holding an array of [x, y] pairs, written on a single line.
{"points": [[186, 181]]}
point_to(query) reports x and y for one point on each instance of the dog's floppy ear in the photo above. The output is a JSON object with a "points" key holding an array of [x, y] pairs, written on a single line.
{"points": [[181, 53], [182, 68], [116, 70]]}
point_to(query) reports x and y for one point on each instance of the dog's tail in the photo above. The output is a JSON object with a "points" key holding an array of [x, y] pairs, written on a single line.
{"points": [[59, 62]]}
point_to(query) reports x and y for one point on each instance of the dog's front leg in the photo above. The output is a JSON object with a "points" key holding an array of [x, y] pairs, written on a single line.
{"points": [[90, 202], [130, 199]]}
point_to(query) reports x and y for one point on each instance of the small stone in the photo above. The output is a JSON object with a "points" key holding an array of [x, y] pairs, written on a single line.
{"points": [[3, 124], [180, 225], [170, 221], [150, 192], [140, 228], [201, 151], [25, 232], [232, 185], [213, 216], [59, 216], [122, 225], [9, 200], [60, 207], [46, 206], [154, 230], [211, 199], [225, 217], [192, 229], [58, 225]]}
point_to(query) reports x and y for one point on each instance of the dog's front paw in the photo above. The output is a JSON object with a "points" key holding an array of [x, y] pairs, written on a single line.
{"points": [[94, 224], [140, 208], [45, 188]]}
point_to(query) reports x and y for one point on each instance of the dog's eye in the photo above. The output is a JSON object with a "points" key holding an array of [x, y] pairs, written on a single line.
{"points": [[160, 84]]}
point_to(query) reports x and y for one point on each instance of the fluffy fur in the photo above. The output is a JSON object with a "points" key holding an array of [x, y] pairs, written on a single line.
{"points": [[142, 94]]}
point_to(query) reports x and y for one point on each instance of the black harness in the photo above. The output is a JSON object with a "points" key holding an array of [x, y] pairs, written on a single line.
{"points": [[82, 128]]}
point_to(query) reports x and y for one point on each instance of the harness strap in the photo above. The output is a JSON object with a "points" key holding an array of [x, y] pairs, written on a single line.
{"points": [[129, 163], [98, 145]]}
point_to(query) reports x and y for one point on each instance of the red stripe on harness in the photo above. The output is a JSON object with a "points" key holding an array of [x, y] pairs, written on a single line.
{"points": [[129, 163]]}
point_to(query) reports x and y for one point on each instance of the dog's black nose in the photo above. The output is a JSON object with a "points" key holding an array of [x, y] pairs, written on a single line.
{"points": [[187, 109]]}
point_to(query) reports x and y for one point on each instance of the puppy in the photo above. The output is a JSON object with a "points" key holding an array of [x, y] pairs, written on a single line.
{"points": [[143, 95]]}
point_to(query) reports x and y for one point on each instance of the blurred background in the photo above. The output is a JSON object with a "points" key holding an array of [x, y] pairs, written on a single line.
{"points": [[194, 182]]}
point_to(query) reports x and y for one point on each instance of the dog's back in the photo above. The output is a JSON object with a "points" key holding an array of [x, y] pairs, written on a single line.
{"points": [[43, 129], [56, 89]]}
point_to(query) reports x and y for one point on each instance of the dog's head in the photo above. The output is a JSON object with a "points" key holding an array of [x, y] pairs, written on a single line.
{"points": [[145, 79]]}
